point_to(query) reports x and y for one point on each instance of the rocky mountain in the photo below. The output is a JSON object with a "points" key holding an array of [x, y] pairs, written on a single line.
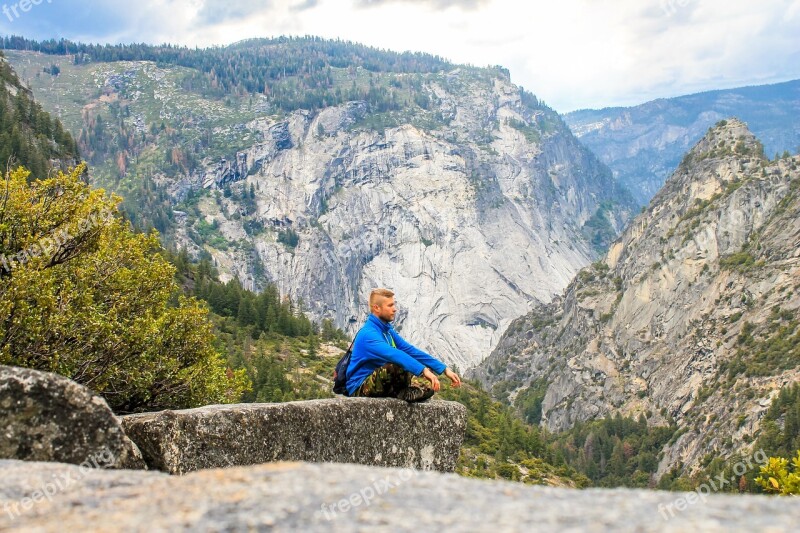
{"points": [[644, 144], [453, 186], [692, 315]]}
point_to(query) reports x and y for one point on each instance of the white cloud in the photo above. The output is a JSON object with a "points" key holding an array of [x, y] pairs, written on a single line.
{"points": [[572, 53]]}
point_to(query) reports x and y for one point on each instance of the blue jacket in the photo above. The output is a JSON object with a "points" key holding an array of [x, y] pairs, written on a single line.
{"points": [[372, 349]]}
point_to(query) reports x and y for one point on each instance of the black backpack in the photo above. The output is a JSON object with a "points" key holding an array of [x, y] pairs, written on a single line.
{"points": [[340, 372]]}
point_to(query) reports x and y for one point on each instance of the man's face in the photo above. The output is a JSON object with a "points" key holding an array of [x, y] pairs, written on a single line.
{"points": [[385, 310]]}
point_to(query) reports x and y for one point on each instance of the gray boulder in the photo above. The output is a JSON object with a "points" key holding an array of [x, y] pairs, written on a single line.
{"points": [[47, 417], [339, 497], [372, 431]]}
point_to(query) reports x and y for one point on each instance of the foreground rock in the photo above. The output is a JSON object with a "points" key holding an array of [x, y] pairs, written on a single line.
{"points": [[326, 497], [47, 417], [373, 431]]}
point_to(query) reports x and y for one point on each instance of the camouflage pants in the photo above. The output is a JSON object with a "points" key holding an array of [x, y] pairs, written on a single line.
{"points": [[387, 381]]}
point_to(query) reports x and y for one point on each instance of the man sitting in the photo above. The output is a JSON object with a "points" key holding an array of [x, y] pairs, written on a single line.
{"points": [[383, 364]]}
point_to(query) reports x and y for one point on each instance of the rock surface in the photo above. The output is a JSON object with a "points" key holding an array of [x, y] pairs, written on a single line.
{"points": [[372, 431], [47, 417], [326, 497], [655, 326]]}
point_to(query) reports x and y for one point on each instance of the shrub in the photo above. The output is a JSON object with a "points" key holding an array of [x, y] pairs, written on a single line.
{"points": [[85, 297], [778, 477]]}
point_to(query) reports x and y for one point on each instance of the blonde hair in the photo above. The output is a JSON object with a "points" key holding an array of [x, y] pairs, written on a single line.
{"points": [[377, 296]]}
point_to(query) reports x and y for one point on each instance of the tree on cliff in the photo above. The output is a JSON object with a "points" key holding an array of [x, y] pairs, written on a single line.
{"points": [[84, 296]]}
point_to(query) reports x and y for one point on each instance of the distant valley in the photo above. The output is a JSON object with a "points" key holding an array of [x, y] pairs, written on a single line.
{"points": [[644, 144]]}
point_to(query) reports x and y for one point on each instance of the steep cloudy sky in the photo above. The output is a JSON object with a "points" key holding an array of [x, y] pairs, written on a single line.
{"points": [[571, 53]]}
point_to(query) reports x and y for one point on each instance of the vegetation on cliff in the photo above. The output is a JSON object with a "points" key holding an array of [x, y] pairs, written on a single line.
{"points": [[285, 355], [295, 72], [28, 135]]}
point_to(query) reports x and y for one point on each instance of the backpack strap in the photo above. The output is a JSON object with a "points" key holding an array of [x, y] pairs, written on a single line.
{"points": [[350, 349]]}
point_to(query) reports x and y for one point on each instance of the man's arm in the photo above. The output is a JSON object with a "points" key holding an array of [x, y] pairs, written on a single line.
{"points": [[420, 356], [431, 363], [378, 347]]}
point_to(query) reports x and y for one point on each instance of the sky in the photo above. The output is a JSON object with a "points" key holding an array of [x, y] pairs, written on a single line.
{"points": [[572, 54]]}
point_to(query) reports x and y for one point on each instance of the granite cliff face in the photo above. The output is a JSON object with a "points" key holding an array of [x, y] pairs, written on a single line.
{"points": [[690, 315], [469, 223]]}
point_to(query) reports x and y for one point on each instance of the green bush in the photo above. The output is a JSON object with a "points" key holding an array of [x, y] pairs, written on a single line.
{"points": [[778, 476], [99, 303]]}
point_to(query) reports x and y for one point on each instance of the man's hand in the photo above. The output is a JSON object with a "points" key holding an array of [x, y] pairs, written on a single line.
{"points": [[454, 379], [430, 376]]}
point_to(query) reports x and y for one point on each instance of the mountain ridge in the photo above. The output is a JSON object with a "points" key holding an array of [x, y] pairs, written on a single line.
{"points": [[644, 143], [658, 326]]}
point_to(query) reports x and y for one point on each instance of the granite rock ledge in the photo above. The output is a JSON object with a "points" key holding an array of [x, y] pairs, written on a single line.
{"points": [[371, 431]]}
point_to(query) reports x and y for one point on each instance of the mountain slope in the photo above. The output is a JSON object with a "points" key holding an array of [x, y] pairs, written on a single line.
{"points": [[456, 188], [643, 144], [28, 135], [692, 314]]}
